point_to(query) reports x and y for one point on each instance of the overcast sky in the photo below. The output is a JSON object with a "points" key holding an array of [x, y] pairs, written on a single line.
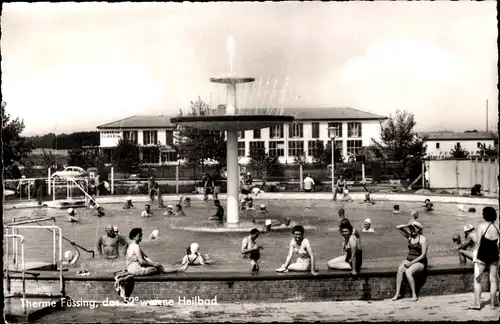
{"points": [[73, 66]]}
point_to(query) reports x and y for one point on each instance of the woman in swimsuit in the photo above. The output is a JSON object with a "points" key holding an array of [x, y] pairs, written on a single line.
{"points": [[416, 261], [138, 263], [194, 257], [487, 256], [251, 250], [340, 187], [352, 253], [305, 256]]}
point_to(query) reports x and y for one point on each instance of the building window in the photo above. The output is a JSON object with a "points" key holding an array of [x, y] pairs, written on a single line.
{"points": [[169, 156], [150, 155], [169, 137], [312, 146], [296, 130], [295, 148], [241, 149], [257, 145], [150, 137], [437, 145], [130, 136], [256, 133], [353, 146], [315, 130], [241, 134], [339, 145], [276, 131], [354, 129], [277, 148], [338, 132]]}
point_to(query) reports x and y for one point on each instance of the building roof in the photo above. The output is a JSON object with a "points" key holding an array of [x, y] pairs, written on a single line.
{"points": [[140, 122], [453, 136], [345, 113]]}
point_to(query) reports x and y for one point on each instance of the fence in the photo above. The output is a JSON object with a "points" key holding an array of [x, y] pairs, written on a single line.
{"points": [[463, 174]]}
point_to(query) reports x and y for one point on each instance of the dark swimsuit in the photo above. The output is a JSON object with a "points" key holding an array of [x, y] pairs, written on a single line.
{"points": [[359, 256], [488, 249], [341, 185], [414, 251], [191, 262]]}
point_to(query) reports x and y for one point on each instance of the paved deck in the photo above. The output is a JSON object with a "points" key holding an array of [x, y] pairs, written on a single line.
{"points": [[435, 308]]}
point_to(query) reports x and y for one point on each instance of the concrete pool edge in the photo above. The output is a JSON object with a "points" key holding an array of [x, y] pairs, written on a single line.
{"points": [[373, 284], [397, 197]]}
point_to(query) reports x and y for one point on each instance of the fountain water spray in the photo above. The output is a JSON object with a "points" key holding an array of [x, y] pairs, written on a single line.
{"points": [[231, 49], [265, 93]]}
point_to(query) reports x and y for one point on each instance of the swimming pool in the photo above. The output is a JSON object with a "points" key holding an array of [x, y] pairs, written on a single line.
{"points": [[387, 247]]}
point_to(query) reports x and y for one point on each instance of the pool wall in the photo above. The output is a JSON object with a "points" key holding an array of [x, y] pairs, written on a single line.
{"points": [[227, 287]]}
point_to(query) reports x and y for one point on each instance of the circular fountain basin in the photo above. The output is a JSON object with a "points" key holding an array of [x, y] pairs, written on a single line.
{"points": [[232, 122], [232, 80], [241, 227]]}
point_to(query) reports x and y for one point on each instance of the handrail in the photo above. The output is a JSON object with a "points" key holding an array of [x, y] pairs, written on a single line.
{"points": [[83, 190], [17, 236], [61, 284]]}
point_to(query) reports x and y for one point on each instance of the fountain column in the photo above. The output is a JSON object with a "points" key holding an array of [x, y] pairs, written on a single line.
{"points": [[233, 179]]}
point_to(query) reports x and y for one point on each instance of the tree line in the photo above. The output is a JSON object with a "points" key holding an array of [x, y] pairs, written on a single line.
{"points": [[65, 141]]}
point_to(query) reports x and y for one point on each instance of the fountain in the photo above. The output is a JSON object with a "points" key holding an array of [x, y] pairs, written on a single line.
{"points": [[232, 122]]}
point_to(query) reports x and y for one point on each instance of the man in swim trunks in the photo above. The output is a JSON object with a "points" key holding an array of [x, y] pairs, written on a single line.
{"points": [[108, 244]]}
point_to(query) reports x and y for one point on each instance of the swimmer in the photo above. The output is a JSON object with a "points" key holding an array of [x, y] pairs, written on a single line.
{"points": [[249, 205], [147, 211], [219, 215], [108, 244], [341, 213], [267, 226], [243, 204], [100, 211], [428, 205], [185, 201], [413, 215], [396, 209], [69, 258], [368, 200], [178, 211], [368, 226], [194, 257], [346, 196], [256, 191], [72, 216], [154, 235], [288, 223], [128, 203], [170, 211], [160, 202], [461, 208], [263, 208], [251, 250]]}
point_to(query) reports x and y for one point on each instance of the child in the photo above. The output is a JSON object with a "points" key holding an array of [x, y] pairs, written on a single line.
{"points": [[128, 203], [72, 216], [147, 211], [396, 209], [170, 211], [194, 257], [251, 250], [179, 211], [219, 215]]}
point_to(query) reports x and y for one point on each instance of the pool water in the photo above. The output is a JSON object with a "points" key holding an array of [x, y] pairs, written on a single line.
{"points": [[387, 246]]}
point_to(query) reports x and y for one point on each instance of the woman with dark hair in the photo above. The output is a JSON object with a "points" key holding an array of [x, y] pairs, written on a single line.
{"points": [[305, 256], [138, 263], [487, 257], [352, 252], [416, 261], [251, 250]]}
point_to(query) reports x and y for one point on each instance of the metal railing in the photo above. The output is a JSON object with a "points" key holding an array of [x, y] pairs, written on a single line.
{"points": [[17, 237]]}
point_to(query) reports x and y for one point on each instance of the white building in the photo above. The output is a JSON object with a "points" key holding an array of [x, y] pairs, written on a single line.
{"points": [[440, 144], [355, 129]]}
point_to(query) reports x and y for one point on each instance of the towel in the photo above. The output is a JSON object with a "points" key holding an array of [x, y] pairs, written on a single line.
{"points": [[124, 283]]}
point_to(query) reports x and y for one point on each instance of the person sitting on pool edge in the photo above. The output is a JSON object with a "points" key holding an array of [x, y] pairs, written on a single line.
{"points": [[219, 215], [368, 226], [128, 203], [194, 257], [305, 255], [251, 250], [470, 242], [147, 211], [72, 216], [352, 253]]}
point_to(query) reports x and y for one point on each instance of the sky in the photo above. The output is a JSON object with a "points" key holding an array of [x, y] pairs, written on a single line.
{"points": [[73, 66]]}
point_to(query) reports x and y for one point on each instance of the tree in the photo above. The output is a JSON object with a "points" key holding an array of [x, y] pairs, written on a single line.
{"points": [[15, 148], [300, 159], [84, 158], [126, 156], [196, 146], [263, 165], [487, 152], [322, 156], [458, 152]]}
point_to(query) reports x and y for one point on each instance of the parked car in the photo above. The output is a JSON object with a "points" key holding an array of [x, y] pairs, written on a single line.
{"points": [[69, 172]]}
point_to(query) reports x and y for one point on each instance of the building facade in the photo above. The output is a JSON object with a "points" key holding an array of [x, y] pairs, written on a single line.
{"points": [[354, 129], [440, 144]]}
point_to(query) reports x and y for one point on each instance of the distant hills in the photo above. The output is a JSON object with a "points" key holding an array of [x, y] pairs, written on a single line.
{"points": [[65, 141]]}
